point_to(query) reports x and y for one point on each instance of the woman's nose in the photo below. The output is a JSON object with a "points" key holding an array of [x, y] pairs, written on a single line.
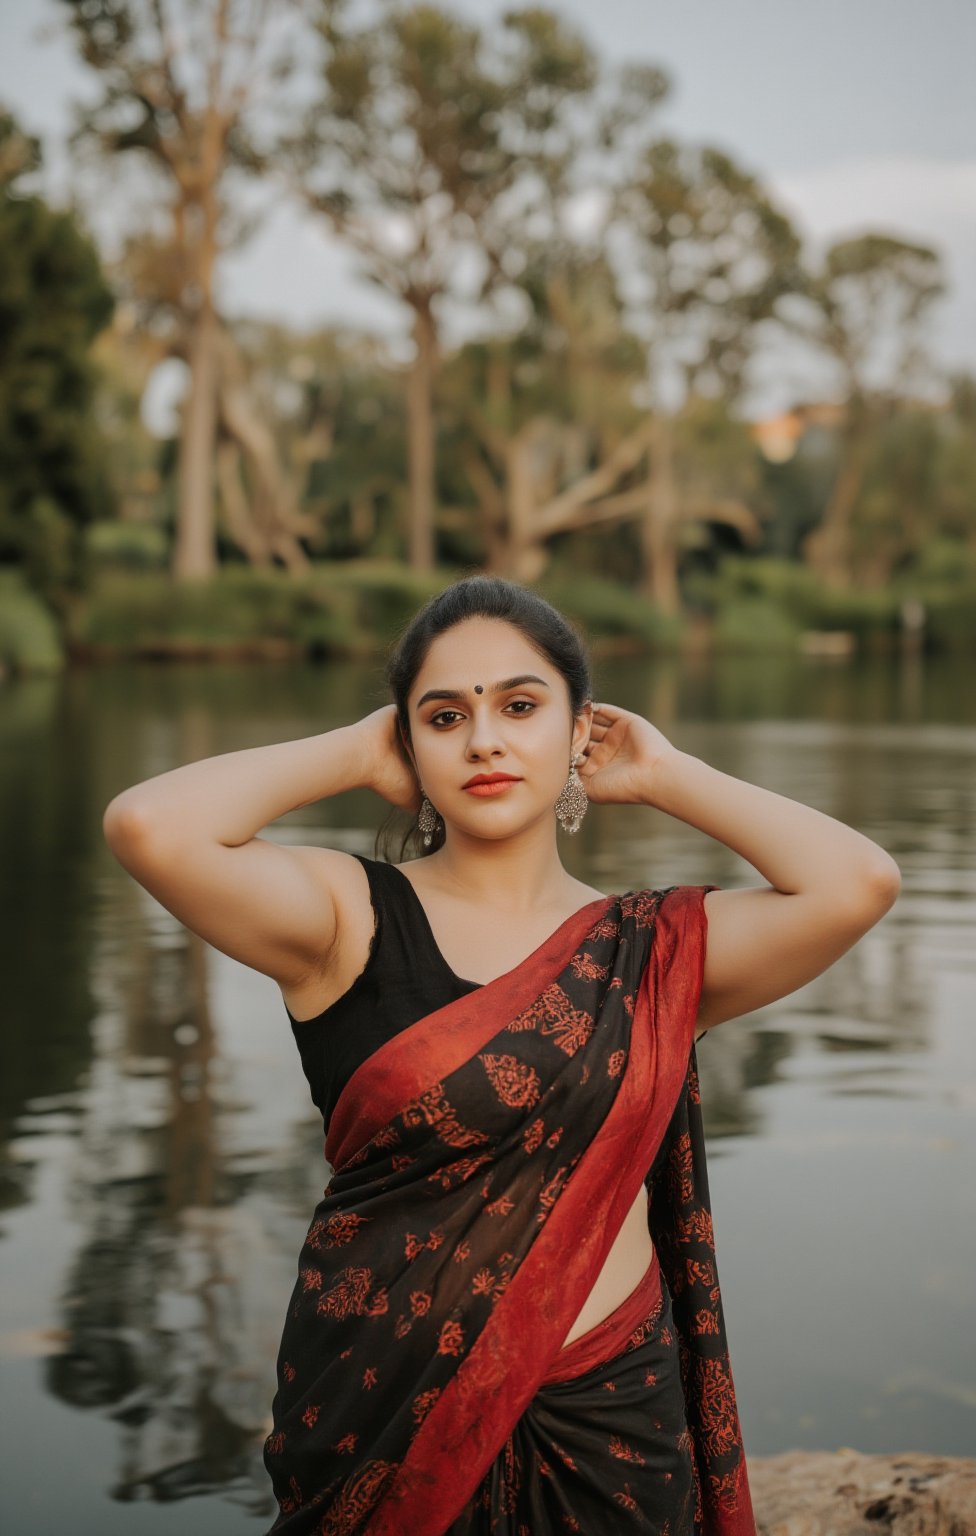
{"points": [[484, 734]]}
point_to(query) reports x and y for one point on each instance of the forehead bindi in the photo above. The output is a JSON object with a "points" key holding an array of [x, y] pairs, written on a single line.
{"points": [[481, 653], [504, 685]]}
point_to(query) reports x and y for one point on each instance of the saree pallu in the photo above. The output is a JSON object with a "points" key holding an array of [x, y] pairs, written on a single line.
{"points": [[484, 1160]]}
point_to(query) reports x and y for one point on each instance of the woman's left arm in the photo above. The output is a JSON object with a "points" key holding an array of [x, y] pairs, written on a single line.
{"points": [[828, 884]]}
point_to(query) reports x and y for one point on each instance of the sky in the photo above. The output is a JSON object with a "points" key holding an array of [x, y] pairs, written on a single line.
{"points": [[856, 114]]}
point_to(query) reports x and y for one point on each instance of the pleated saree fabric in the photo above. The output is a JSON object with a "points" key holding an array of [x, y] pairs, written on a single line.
{"points": [[484, 1160]]}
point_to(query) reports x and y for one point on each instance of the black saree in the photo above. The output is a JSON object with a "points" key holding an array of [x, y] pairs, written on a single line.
{"points": [[484, 1161]]}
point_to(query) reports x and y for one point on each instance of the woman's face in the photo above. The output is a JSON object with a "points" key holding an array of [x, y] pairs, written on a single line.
{"points": [[524, 729]]}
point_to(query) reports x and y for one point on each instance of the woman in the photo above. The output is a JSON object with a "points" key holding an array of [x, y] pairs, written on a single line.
{"points": [[507, 1316]]}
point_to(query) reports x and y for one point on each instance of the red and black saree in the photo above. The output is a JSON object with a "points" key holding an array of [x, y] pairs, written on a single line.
{"points": [[484, 1160]]}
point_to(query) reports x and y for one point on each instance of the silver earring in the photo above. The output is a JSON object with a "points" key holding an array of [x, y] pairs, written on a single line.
{"points": [[572, 802], [427, 820]]}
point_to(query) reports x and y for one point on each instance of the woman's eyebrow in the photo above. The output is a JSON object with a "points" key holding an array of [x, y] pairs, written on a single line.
{"points": [[458, 693]]}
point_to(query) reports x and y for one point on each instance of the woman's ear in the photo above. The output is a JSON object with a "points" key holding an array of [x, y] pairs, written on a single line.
{"points": [[582, 726], [408, 749]]}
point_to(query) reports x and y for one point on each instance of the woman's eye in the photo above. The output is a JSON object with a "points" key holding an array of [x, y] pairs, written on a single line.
{"points": [[529, 706]]}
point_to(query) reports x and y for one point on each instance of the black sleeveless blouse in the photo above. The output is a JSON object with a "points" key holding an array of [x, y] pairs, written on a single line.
{"points": [[405, 977]]}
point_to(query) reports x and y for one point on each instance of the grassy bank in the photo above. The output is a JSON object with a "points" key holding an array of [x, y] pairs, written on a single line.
{"points": [[356, 608], [29, 637], [341, 609], [767, 604]]}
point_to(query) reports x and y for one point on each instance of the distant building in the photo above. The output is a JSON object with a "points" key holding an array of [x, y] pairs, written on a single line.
{"points": [[778, 437]]}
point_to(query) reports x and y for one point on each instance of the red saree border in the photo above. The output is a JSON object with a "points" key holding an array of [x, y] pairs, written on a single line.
{"points": [[401, 1068], [474, 1414]]}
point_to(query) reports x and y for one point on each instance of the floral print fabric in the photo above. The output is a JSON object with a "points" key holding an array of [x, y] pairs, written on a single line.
{"points": [[484, 1160], [600, 1448]]}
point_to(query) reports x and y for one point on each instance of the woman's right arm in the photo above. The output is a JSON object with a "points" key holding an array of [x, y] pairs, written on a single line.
{"points": [[189, 837]]}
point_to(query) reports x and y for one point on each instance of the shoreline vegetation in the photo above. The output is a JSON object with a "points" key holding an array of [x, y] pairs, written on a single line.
{"points": [[352, 609]]}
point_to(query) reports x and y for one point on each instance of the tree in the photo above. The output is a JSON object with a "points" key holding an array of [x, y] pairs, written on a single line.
{"points": [[334, 403], [866, 308], [53, 301], [544, 416], [183, 87], [427, 141], [707, 257], [957, 466], [916, 504], [547, 430], [256, 501]]}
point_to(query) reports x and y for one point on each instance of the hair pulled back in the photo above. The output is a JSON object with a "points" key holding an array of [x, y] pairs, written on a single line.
{"points": [[485, 597]]}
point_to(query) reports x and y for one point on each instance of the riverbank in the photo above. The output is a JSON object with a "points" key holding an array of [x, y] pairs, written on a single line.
{"points": [[846, 1493], [339, 610], [353, 609]]}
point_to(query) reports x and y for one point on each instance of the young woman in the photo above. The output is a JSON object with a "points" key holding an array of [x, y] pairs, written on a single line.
{"points": [[507, 1315]]}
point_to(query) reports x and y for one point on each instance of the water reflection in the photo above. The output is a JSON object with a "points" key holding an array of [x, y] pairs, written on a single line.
{"points": [[160, 1156]]}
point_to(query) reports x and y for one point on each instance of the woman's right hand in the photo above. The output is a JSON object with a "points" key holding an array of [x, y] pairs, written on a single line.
{"points": [[389, 770]]}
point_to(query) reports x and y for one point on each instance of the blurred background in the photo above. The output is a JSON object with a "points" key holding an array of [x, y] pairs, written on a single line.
{"points": [[667, 310]]}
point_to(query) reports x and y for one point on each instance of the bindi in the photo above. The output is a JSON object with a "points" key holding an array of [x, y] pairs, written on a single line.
{"points": [[478, 688]]}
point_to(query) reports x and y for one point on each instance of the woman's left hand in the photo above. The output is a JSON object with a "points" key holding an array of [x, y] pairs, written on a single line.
{"points": [[623, 754]]}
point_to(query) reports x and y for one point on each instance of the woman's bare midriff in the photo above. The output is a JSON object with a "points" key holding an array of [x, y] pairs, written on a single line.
{"points": [[632, 1249], [623, 1270]]}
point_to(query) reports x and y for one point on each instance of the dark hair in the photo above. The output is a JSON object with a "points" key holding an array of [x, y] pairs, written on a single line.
{"points": [[487, 597]]}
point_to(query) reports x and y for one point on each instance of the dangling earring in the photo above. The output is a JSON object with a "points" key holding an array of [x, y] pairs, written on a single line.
{"points": [[427, 820], [572, 803]]}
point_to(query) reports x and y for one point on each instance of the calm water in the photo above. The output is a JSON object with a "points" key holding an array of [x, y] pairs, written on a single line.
{"points": [[161, 1158]]}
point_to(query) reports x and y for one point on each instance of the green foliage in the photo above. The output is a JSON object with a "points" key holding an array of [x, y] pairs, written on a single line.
{"points": [[945, 562], [746, 592], [334, 403], [157, 83], [607, 611], [359, 607], [744, 586], [868, 304], [794, 493], [53, 301], [148, 612], [871, 260], [387, 594], [780, 580], [345, 608], [29, 640], [861, 610], [464, 133], [950, 617], [586, 552], [128, 546], [51, 549], [754, 623], [448, 123], [337, 609], [420, 86], [944, 581], [717, 256]]}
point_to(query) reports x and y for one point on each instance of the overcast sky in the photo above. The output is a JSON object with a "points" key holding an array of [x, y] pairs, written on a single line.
{"points": [[856, 113]]}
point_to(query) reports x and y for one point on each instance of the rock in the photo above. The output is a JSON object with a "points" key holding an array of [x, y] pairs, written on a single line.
{"points": [[846, 1493]]}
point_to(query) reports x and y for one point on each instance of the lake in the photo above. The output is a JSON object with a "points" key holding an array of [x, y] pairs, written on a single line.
{"points": [[161, 1157]]}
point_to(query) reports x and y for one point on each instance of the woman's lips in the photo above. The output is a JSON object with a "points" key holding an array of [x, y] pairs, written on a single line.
{"points": [[484, 791]]}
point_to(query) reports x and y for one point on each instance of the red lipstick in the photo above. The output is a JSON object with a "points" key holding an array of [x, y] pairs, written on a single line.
{"points": [[486, 784]]}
